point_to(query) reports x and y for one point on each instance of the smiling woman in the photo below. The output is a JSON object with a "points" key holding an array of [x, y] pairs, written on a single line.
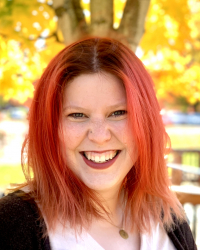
{"points": [[95, 131], [94, 159]]}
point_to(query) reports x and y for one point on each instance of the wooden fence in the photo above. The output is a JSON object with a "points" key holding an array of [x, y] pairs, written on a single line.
{"points": [[185, 169]]}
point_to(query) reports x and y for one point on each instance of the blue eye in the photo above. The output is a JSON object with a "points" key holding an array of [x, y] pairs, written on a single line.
{"points": [[119, 113]]}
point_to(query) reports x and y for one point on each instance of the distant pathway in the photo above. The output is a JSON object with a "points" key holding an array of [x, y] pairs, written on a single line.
{"points": [[184, 129], [12, 136]]}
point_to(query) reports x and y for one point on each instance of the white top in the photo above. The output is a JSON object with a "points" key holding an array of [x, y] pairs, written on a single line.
{"points": [[66, 240], [157, 240]]}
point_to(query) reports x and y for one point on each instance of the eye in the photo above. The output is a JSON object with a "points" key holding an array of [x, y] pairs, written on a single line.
{"points": [[77, 115], [119, 113]]}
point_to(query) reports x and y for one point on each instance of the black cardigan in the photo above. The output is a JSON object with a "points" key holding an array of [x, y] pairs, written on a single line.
{"points": [[21, 229]]}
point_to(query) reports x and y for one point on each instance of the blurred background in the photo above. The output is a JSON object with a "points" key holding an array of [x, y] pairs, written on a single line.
{"points": [[165, 35]]}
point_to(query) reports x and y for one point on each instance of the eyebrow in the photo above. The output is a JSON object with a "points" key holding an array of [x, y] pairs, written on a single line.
{"points": [[74, 107]]}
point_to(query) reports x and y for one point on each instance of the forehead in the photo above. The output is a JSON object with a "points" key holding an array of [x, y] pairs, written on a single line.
{"points": [[94, 90]]}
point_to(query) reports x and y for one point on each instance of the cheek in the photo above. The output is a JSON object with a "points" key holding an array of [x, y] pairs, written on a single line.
{"points": [[128, 140], [72, 134], [70, 138], [122, 131]]}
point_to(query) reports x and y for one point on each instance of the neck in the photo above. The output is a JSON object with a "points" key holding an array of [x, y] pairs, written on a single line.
{"points": [[114, 220], [112, 202]]}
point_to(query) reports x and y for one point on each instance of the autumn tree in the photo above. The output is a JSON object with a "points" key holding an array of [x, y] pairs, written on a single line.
{"points": [[22, 25], [34, 28], [171, 50], [32, 32], [72, 22]]}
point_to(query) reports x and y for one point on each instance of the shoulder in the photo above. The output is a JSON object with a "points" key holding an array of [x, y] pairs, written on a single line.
{"points": [[19, 222], [181, 236], [12, 202], [15, 208]]}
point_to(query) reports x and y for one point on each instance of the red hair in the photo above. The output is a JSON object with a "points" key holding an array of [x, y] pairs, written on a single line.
{"points": [[58, 190]]}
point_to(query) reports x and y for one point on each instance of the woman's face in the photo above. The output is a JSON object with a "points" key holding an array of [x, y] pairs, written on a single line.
{"points": [[97, 140]]}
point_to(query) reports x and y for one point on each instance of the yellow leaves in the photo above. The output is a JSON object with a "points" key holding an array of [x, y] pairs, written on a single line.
{"points": [[194, 23], [16, 73], [33, 22], [153, 18], [192, 76], [20, 68], [20, 62], [118, 6], [166, 59], [85, 4], [52, 24], [28, 20], [52, 49], [167, 25], [171, 27], [173, 75], [15, 86], [170, 45], [177, 78]]}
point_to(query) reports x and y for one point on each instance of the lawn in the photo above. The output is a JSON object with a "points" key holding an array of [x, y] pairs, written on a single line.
{"points": [[10, 174], [182, 137]]}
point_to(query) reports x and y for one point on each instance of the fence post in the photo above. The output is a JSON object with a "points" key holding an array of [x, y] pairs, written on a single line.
{"points": [[177, 175]]}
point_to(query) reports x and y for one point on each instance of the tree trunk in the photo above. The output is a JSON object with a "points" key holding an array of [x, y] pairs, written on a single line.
{"points": [[133, 20], [82, 25], [71, 20], [101, 17]]}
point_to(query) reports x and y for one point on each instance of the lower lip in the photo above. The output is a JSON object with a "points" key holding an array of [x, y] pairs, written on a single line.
{"points": [[104, 165]]}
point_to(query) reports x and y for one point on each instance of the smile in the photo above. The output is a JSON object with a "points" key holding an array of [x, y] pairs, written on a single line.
{"points": [[100, 157], [101, 160]]}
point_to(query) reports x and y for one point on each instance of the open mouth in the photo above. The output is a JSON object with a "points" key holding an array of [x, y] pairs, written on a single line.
{"points": [[100, 157]]}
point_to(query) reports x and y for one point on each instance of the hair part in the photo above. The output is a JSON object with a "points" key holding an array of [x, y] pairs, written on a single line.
{"points": [[60, 193]]}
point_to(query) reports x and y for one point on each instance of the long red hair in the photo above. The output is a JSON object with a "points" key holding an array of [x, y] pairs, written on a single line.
{"points": [[58, 190]]}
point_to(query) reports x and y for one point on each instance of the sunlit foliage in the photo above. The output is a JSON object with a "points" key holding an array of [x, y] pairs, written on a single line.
{"points": [[27, 43], [170, 47]]}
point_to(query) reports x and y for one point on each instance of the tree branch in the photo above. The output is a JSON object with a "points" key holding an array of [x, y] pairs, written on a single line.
{"points": [[133, 20], [80, 16], [67, 20], [101, 17]]}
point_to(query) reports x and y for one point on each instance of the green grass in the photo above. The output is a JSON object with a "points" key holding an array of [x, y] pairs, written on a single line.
{"points": [[185, 137], [182, 137], [185, 141], [11, 174]]}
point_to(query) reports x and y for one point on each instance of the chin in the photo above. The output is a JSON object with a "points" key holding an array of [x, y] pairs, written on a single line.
{"points": [[102, 184]]}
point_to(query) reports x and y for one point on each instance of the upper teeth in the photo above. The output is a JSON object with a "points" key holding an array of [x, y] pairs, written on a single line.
{"points": [[100, 157]]}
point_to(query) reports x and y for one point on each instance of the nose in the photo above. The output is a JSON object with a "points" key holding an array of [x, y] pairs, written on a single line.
{"points": [[99, 132]]}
